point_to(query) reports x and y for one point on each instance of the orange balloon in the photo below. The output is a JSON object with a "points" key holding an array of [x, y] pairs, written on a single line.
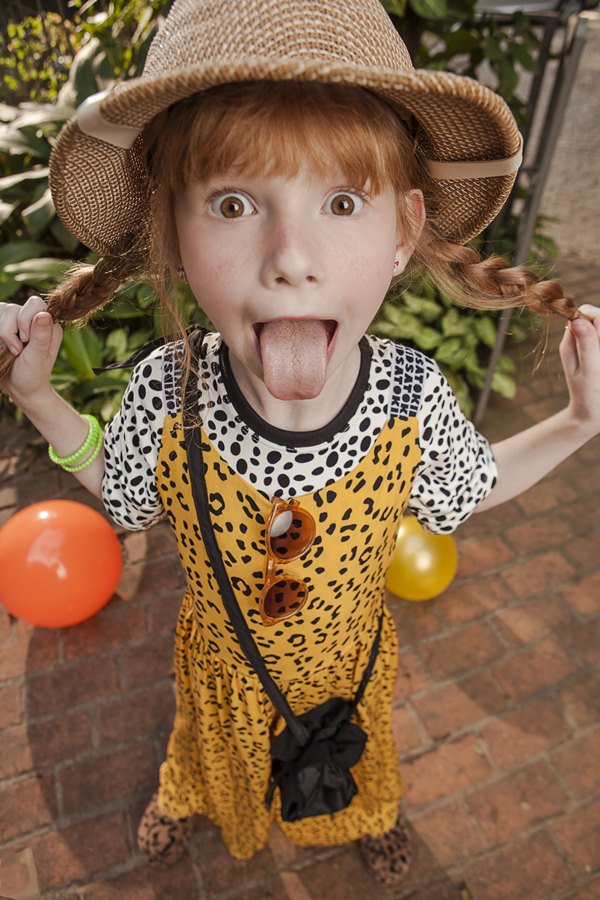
{"points": [[60, 562], [423, 564]]}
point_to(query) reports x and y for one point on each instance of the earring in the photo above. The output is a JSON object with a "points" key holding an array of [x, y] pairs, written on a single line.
{"points": [[396, 264], [180, 272]]}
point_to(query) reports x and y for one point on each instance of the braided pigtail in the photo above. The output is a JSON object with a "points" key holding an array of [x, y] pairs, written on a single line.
{"points": [[86, 288], [489, 283]]}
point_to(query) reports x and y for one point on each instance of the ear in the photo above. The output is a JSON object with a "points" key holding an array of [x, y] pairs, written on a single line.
{"points": [[409, 228]]}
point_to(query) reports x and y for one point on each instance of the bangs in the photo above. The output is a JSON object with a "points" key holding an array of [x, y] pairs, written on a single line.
{"points": [[280, 129]]}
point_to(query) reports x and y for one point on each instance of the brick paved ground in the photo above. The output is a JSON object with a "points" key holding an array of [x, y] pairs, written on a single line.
{"points": [[496, 712]]}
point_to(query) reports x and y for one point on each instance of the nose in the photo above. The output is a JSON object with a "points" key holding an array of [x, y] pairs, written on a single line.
{"points": [[291, 254]]}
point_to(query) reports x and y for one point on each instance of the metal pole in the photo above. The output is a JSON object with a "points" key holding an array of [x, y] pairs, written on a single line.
{"points": [[550, 25], [555, 112]]}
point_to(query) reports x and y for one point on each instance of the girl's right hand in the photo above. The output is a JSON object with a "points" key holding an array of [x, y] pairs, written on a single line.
{"points": [[30, 335]]}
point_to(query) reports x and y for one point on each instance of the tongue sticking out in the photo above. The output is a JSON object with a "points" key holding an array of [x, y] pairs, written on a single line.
{"points": [[294, 358]]}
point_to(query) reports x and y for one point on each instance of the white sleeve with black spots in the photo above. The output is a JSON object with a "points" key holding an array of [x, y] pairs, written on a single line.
{"points": [[457, 469], [131, 445]]}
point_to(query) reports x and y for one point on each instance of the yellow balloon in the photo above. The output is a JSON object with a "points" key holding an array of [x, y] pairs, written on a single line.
{"points": [[423, 564]]}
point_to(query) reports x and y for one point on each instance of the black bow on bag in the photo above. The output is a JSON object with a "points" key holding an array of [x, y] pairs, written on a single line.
{"points": [[315, 778], [313, 755]]}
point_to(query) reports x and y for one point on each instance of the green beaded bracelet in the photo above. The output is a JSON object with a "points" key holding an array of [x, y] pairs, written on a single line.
{"points": [[89, 460], [77, 455], [92, 442]]}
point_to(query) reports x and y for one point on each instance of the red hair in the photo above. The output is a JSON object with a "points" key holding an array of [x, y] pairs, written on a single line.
{"points": [[280, 128], [274, 129]]}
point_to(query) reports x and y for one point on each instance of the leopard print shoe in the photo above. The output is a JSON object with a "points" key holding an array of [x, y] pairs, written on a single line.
{"points": [[161, 839], [388, 855]]}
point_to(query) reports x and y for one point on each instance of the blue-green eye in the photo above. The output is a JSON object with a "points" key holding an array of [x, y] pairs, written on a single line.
{"points": [[344, 203], [231, 206]]}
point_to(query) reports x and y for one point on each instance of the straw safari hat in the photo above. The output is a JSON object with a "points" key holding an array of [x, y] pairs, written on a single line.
{"points": [[465, 132]]}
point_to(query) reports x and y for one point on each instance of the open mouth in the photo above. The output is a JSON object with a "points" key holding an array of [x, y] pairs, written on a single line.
{"points": [[330, 326], [295, 354]]}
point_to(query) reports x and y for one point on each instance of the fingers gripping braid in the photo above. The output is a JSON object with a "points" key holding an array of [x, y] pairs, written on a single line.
{"points": [[87, 288]]}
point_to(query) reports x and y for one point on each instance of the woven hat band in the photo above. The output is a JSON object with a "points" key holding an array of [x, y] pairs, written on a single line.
{"points": [[466, 133], [489, 168], [90, 121]]}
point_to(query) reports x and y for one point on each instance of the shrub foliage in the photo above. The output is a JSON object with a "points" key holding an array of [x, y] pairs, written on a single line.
{"points": [[75, 59]]}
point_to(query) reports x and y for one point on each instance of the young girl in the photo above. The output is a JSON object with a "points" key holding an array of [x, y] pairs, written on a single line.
{"points": [[286, 160]]}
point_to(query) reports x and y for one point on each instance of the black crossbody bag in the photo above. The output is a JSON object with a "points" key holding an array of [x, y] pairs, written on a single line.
{"points": [[313, 755]]}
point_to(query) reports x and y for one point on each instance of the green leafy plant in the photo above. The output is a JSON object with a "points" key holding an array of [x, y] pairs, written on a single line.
{"points": [[429, 320], [130, 321], [35, 246], [35, 55], [108, 41], [451, 35], [124, 29], [498, 52], [459, 338], [36, 249]]}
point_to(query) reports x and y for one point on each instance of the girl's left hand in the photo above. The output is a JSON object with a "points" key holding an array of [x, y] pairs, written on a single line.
{"points": [[580, 357]]}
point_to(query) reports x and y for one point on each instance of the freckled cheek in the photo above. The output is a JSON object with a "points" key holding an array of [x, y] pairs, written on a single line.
{"points": [[210, 274], [371, 271]]}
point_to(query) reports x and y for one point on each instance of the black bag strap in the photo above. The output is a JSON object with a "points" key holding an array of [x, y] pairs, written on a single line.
{"points": [[236, 617], [370, 665], [193, 447], [195, 334]]}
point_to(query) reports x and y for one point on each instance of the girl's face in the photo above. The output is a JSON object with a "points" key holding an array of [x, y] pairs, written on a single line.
{"points": [[309, 251]]}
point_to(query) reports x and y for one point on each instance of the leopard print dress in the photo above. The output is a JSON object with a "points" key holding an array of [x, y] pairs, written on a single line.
{"points": [[218, 760]]}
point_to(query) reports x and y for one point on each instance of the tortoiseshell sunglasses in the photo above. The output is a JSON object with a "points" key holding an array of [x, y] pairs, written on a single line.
{"points": [[283, 595]]}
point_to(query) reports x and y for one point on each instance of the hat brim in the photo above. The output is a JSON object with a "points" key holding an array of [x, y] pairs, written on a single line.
{"points": [[100, 191]]}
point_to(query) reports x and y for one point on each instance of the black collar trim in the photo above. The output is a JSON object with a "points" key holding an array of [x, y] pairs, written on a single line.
{"points": [[297, 438]]}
